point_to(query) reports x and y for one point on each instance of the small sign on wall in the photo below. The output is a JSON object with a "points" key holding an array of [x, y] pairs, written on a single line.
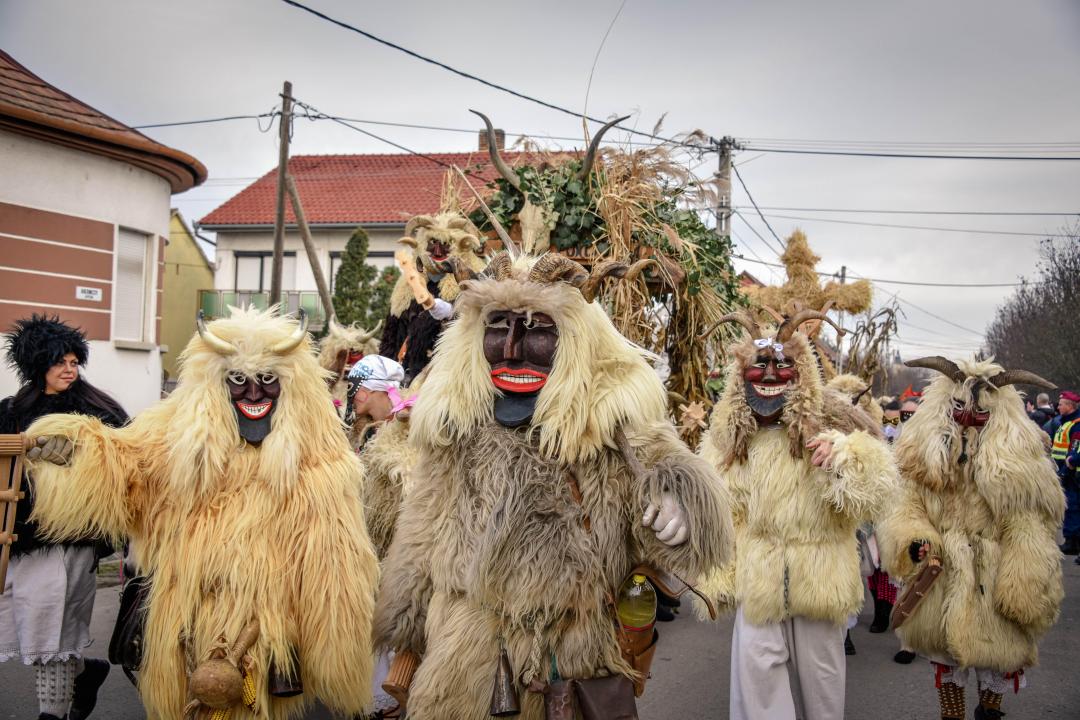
{"points": [[87, 293]]}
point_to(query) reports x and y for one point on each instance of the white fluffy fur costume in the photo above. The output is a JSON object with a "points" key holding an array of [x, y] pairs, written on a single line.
{"points": [[231, 531], [491, 543], [795, 547], [993, 520]]}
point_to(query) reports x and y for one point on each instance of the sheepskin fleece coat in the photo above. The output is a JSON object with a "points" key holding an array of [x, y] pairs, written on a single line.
{"points": [[795, 549], [993, 521], [492, 548], [387, 460], [229, 531]]}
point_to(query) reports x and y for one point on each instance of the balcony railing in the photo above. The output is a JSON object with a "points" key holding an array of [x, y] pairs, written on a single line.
{"points": [[215, 303]]}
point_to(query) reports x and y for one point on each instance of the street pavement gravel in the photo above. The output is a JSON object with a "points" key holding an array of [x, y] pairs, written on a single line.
{"points": [[691, 671]]}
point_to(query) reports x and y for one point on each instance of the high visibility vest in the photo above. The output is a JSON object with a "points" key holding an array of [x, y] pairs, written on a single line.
{"points": [[1060, 450]]}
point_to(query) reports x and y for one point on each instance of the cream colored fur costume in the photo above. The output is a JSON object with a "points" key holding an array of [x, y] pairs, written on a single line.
{"points": [[334, 348], [457, 233], [491, 543], [230, 531], [993, 520], [388, 460], [795, 547]]}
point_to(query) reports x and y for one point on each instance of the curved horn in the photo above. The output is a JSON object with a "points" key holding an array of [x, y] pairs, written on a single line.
{"points": [[408, 242], [416, 221], [774, 314], [602, 271], [855, 400], [222, 347], [639, 267], [1022, 377], [791, 324], [365, 336], [290, 343], [552, 268], [943, 365], [590, 154], [499, 266], [457, 223], [493, 149], [429, 265], [742, 317], [457, 267]]}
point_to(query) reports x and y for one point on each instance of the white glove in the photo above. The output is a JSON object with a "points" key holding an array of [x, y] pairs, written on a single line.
{"points": [[668, 521], [441, 310]]}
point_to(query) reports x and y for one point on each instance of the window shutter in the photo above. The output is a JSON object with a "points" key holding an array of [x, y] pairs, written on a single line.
{"points": [[129, 289]]}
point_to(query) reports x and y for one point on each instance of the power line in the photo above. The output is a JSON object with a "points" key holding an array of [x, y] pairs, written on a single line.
{"points": [[370, 134], [918, 227], [916, 212], [475, 78], [897, 282], [206, 120], [759, 235], [911, 143], [917, 156], [735, 169], [896, 296]]}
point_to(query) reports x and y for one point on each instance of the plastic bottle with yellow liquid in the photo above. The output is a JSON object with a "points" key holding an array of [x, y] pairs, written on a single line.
{"points": [[636, 607]]}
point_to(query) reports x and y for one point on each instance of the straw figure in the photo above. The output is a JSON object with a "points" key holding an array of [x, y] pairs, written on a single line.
{"points": [[242, 495], [981, 501], [547, 470]]}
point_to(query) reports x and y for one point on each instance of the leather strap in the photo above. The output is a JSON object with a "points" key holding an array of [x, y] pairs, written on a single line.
{"points": [[662, 581]]}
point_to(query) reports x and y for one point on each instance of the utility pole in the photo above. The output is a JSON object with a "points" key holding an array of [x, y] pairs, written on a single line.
{"points": [[839, 337], [284, 130], [724, 146]]}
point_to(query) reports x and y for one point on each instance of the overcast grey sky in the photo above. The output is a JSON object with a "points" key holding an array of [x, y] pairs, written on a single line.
{"points": [[921, 71]]}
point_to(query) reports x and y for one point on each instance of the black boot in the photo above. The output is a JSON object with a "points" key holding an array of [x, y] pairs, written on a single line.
{"points": [[47, 716], [87, 684], [1071, 546], [985, 713], [849, 647], [882, 610]]}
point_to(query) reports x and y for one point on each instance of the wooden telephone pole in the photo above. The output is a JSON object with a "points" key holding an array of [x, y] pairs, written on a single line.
{"points": [[284, 130], [724, 146]]}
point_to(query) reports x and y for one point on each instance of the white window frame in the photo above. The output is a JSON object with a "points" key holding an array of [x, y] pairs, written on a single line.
{"points": [[149, 290]]}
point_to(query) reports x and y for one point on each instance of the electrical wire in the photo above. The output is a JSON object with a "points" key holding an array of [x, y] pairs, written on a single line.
{"points": [[917, 156], [915, 212], [207, 120], [735, 169], [475, 78], [760, 237], [917, 227], [914, 283]]}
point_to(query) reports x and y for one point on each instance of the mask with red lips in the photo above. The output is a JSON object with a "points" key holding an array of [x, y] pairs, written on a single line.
{"points": [[766, 382], [254, 399], [520, 348]]}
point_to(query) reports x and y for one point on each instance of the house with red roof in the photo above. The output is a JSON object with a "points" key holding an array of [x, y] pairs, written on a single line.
{"points": [[85, 205], [339, 193]]}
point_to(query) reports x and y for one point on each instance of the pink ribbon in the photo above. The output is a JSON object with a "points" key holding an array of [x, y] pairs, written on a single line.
{"points": [[397, 403]]}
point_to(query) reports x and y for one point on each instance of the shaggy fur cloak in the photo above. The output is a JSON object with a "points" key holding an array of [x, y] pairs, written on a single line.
{"points": [[795, 547], [491, 542], [993, 521], [230, 531]]}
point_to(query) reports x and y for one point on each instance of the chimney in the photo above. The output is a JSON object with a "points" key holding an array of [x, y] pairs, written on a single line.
{"points": [[500, 140]]}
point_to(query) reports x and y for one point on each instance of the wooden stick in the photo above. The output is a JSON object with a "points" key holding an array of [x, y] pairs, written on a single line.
{"points": [[309, 246], [279, 215]]}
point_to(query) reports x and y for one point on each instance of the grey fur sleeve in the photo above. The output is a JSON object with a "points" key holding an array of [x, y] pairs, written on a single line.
{"points": [[406, 586], [673, 469]]}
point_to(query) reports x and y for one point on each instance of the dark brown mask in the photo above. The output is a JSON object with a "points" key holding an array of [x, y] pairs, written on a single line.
{"points": [[254, 400], [520, 349]]}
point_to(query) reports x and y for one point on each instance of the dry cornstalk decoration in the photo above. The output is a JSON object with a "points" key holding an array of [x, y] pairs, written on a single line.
{"points": [[869, 344]]}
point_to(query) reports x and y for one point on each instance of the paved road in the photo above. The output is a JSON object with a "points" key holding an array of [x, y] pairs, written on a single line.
{"points": [[690, 674]]}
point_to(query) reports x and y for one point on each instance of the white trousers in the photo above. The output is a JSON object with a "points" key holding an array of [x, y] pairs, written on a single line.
{"points": [[787, 670]]}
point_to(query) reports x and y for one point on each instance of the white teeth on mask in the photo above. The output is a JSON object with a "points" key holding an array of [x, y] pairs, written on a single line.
{"points": [[519, 379], [770, 390], [255, 411]]}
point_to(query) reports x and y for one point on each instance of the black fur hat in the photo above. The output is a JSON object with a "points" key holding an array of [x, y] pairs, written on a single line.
{"points": [[35, 345]]}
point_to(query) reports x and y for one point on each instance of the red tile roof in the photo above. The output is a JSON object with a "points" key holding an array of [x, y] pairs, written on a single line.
{"points": [[31, 106], [354, 189]]}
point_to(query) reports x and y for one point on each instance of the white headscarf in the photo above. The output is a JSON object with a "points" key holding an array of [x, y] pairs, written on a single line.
{"points": [[377, 373]]}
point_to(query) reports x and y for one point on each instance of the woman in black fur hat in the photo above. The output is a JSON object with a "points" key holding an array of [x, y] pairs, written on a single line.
{"points": [[46, 606]]}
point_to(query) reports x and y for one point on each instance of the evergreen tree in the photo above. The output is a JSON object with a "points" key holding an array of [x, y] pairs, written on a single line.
{"points": [[353, 282], [380, 296]]}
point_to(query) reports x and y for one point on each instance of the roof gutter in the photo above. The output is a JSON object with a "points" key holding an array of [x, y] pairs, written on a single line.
{"points": [[252, 227]]}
